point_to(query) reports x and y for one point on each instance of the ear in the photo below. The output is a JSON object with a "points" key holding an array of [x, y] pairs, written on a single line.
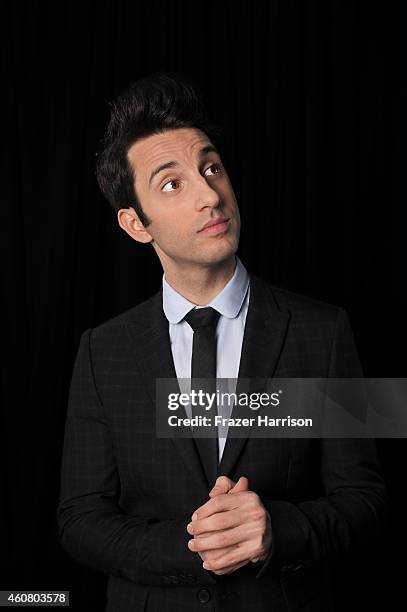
{"points": [[129, 221]]}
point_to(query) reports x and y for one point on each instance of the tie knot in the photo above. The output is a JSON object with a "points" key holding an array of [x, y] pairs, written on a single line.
{"points": [[202, 317]]}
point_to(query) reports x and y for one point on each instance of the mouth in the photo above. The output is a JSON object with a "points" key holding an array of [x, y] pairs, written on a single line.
{"points": [[215, 226]]}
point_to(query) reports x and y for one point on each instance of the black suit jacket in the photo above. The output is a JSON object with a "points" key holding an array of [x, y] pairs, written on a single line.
{"points": [[127, 496]]}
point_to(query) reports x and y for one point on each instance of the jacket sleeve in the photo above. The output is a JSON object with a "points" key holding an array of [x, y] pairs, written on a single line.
{"points": [[92, 527], [353, 510]]}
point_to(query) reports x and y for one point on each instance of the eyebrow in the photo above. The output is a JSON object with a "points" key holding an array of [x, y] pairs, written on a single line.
{"points": [[172, 164]]}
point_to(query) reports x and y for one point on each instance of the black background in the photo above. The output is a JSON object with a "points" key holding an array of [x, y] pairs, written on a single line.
{"points": [[312, 102]]}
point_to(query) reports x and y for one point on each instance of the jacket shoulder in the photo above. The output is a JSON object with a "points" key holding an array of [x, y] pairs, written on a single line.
{"points": [[297, 303], [134, 315]]}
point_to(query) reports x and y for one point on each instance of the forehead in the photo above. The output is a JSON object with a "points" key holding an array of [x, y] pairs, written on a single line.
{"points": [[172, 145]]}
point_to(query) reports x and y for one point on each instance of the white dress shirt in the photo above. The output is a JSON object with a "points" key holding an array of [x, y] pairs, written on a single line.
{"points": [[232, 304]]}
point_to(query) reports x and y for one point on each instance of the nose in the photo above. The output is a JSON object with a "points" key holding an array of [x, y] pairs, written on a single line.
{"points": [[206, 196]]}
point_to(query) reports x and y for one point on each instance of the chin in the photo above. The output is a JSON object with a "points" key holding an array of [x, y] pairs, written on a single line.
{"points": [[219, 255]]}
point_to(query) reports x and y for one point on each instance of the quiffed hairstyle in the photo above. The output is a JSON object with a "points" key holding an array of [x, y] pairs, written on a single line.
{"points": [[149, 106]]}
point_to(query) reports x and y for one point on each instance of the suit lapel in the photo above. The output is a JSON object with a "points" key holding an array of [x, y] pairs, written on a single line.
{"points": [[152, 347], [263, 340]]}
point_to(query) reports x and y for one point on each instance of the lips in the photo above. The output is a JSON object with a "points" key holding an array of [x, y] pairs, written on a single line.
{"points": [[212, 223]]}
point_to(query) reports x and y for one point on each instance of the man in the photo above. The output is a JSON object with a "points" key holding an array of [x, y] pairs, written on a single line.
{"points": [[173, 532]]}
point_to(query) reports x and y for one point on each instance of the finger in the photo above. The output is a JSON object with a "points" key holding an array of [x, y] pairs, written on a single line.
{"points": [[222, 503], [241, 485], [223, 563], [216, 522], [219, 503], [218, 539], [223, 484], [230, 569], [227, 569], [244, 541], [215, 554]]}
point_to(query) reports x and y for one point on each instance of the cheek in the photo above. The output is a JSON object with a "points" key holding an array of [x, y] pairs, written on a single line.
{"points": [[170, 230], [228, 196]]}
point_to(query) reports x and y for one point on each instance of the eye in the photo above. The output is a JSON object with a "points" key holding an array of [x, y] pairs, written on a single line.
{"points": [[212, 167], [170, 183]]}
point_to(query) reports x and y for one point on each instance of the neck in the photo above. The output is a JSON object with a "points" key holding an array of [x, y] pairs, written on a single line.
{"points": [[200, 285]]}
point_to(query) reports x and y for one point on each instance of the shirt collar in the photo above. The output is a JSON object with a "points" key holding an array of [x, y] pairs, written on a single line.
{"points": [[228, 301]]}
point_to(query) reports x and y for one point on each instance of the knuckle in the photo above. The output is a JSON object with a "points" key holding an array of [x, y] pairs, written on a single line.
{"points": [[254, 550], [196, 545], [234, 560], [254, 498], [259, 537], [214, 504], [257, 514], [259, 545], [222, 540], [209, 557], [249, 498], [222, 522], [260, 533]]}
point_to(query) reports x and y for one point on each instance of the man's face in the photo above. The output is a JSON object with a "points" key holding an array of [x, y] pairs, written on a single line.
{"points": [[186, 193]]}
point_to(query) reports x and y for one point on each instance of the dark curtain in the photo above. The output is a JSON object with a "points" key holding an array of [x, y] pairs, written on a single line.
{"points": [[312, 103]]}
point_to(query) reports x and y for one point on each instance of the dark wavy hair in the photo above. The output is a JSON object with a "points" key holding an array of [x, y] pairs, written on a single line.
{"points": [[151, 105]]}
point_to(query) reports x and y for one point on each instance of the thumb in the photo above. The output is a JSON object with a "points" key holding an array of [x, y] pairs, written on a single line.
{"points": [[223, 485], [241, 485]]}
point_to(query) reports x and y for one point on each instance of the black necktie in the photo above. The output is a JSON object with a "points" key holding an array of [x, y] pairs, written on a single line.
{"points": [[203, 377]]}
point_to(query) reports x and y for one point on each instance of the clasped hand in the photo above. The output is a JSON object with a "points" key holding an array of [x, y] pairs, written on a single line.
{"points": [[231, 529]]}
